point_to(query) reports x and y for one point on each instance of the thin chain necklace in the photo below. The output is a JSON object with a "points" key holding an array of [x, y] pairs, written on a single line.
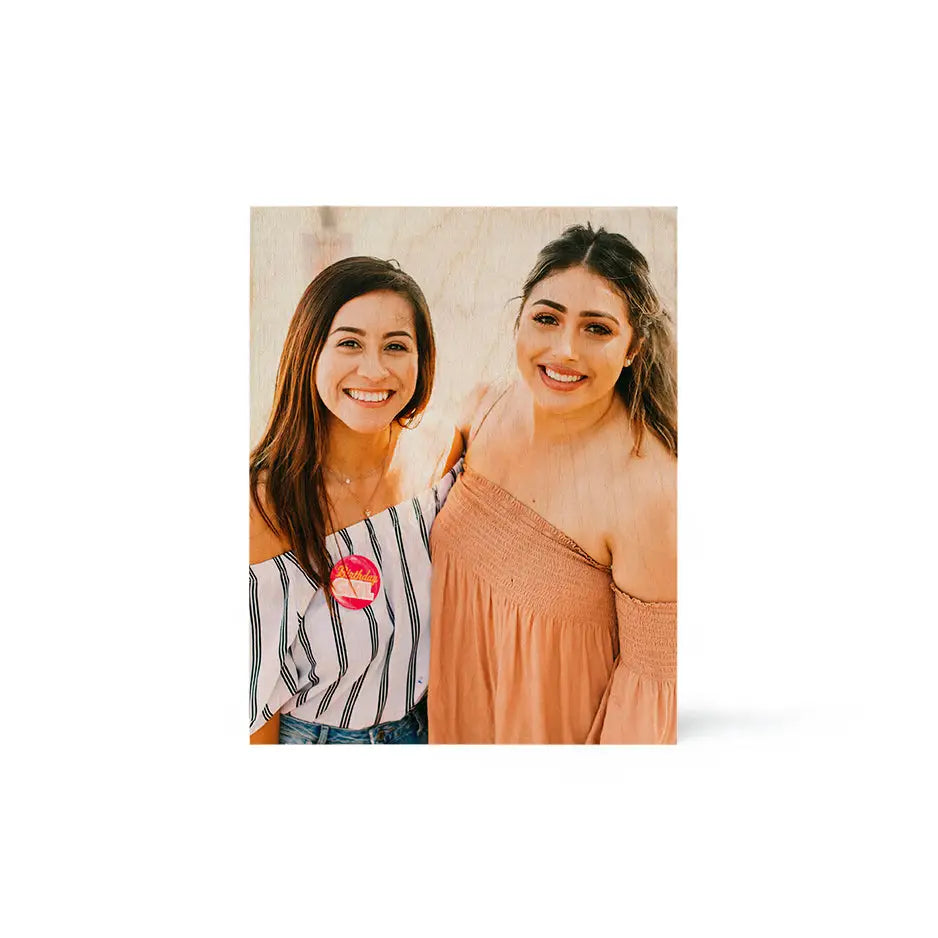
{"points": [[364, 507]]}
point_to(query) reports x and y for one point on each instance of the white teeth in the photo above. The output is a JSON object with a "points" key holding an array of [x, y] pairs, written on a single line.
{"points": [[372, 397], [568, 379]]}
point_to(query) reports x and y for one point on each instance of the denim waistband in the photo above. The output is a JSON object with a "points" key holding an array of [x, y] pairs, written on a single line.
{"points": [[411, 724]]}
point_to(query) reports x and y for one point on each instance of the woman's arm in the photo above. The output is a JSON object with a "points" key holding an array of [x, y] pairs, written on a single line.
{"points": [[640, 701]]}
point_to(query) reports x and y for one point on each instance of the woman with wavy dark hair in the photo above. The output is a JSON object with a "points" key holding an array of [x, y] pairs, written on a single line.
{"points": [[554, 584], [340, 517]]}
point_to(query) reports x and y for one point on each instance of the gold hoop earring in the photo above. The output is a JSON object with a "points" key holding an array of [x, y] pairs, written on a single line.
{"points": [[411, 423]]}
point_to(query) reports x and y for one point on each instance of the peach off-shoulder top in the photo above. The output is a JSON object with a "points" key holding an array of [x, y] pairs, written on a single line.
{"points": [[531, 640]]}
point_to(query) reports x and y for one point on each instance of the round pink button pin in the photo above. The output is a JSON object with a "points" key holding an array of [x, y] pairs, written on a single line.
{"points": [[355, 582]]}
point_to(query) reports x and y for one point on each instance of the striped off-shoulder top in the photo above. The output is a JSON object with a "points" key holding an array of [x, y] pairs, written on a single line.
{"points": [[360, 664]]}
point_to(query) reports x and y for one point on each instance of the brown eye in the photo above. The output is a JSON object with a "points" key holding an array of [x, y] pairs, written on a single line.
{"points": [[597, 328], [545, 319]]}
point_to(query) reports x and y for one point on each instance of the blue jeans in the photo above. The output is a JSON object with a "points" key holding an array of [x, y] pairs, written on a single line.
{"points": [[411, 728]]}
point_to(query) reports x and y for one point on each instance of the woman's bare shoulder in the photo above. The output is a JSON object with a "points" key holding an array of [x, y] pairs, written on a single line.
{"points": [[642, 536], [471, 408], [480, 402], [264, 541], [655, 482], [653, 465], [658, 464], [468, 416], [643, 485]]}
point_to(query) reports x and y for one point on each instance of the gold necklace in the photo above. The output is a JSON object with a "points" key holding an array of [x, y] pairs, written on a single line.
{"points": [[347, 481]]}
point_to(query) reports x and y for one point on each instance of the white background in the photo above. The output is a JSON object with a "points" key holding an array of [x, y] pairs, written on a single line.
{"points": [[797, 145]]}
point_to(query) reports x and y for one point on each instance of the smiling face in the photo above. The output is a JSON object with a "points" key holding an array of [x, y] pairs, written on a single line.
{"points": [[573, 340], [367, 369]]}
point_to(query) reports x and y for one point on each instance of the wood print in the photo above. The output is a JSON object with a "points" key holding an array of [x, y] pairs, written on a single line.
{"points": [[516, 539]]}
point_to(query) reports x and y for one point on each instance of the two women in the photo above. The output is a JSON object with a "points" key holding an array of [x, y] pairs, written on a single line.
{"points": [[553, 612], [340, 515], [554, 577]]}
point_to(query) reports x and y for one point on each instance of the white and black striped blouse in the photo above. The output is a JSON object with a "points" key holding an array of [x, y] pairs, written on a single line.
{"points": [[351, 668]]}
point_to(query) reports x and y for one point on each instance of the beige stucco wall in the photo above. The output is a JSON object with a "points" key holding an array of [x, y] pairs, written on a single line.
{"points": [[470, 263]]}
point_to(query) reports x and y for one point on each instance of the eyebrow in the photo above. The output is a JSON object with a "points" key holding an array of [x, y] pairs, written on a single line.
{"points": [[362, 332], [586, 312]]}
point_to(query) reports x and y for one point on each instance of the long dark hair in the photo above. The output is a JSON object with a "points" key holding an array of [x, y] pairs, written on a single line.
{"points": [[649, 386], [292, 451]]}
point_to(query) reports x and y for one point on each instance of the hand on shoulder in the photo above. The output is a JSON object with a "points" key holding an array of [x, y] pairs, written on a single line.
{"points": [[425, 451], [469, 410], [466, 419], [479, 402], [465, 422]]}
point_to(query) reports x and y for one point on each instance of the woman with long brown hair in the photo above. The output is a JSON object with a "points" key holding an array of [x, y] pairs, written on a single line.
{"points": [[340, 517], [554, 584]]}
